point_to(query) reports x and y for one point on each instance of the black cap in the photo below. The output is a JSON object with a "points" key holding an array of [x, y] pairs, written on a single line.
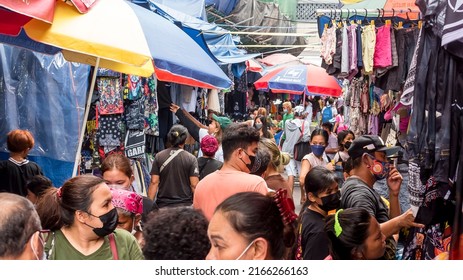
{"points": [[369, 144]]}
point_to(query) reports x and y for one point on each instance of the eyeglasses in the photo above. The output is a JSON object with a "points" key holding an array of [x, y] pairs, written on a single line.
{"points": [[44, 234]]}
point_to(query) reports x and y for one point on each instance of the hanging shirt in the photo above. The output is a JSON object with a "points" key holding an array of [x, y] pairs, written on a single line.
{"points": [[383, 54], [368, 47]]}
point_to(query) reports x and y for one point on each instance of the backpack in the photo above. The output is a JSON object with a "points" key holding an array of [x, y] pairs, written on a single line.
{"points": [[327, 114]]}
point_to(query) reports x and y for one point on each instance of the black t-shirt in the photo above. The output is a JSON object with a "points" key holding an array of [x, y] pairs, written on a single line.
{"points": [[13, 176], [174, 180], [207, 166], [315, 243], [356, 193]]}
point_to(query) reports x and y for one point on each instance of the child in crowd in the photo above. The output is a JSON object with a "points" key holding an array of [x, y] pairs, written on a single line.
{"points": [[355, 235], [15, 171]]}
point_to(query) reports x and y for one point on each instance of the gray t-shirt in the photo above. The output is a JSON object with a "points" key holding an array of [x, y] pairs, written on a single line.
{"points": [[356, 193]]}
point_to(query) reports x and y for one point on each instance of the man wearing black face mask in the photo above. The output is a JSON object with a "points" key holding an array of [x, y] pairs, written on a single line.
{"points": [[240, 145], [368, 155]]}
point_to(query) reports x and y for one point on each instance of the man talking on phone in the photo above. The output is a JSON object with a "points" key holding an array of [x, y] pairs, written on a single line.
{"points": [[370, 163]]}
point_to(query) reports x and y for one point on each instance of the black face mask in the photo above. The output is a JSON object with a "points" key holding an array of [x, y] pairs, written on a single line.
{"points": [[347, 145], [109, 221], [331, 202], [251, 158]]}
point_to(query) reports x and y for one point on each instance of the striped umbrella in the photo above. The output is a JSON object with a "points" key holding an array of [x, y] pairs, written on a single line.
{"points": [[127, 38], [299, 79]]}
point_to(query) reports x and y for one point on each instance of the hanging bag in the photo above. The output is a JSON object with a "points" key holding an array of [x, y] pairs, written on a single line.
{"points": [[301, 148]]}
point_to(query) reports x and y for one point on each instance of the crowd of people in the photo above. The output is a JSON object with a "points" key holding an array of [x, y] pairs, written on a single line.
{"points": [[234, 200]]}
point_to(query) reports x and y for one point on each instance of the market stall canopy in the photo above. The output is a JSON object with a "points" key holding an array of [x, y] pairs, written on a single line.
{"points": [[23, 11], [277, 59], [267, 29], [214, 40], [142, 43], [299, 79], [194, 8]]}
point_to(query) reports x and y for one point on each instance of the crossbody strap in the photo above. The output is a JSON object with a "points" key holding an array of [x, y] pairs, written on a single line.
{"points": [[171, 157], [302, 132], [112, 244]]}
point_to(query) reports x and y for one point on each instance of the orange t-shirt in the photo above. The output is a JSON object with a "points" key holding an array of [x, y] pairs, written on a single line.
{"points": [[219, 185]]}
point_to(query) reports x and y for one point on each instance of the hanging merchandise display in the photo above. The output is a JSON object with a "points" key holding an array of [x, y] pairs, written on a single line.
{"points": [[423, 77], [123, 114]]}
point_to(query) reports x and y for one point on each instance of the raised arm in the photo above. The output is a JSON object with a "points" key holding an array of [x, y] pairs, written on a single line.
{"points": [[188, 121]]}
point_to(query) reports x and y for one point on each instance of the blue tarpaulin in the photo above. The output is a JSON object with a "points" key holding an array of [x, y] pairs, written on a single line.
{"points": [[46, 95], [215, 41], [223, 6]]}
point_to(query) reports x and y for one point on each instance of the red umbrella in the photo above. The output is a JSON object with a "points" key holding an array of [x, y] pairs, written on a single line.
{"points": [[14, 14], [298, 79], [277, 59]]}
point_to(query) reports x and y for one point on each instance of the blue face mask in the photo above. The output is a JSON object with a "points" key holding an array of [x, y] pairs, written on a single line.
{"points": [[317, 150]]}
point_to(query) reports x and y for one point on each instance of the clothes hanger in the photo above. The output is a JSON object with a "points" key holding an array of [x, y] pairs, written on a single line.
{"points": [[366, 15]]}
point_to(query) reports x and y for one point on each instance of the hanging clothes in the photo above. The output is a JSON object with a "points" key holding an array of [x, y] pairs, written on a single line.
{"points": [[368, 48], [109, 90]]}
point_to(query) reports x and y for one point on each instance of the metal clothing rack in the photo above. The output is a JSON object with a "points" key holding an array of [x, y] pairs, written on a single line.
{"points": [[379, 12]]}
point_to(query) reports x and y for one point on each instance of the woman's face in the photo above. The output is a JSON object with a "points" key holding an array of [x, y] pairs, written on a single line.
{"points": [[226, 243], [117, 177], [101, 205], [349, 138], [375, 244], [213, 127], [318, 140]]}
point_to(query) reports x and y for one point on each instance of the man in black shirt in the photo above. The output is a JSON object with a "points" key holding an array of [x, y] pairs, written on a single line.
{"points": [[369, 159]]}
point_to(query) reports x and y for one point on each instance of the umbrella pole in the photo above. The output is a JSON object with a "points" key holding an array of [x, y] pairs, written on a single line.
{"points": [[87, 109]]}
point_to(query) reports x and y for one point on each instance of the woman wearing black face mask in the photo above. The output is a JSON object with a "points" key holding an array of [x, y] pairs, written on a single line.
{"points": [[345, 139], [83, 222], [323, 196], [260, 123]]}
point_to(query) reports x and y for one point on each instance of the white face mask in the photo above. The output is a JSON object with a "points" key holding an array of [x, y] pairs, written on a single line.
{"points": [[245, 250], [44, 256], [133, 226]]}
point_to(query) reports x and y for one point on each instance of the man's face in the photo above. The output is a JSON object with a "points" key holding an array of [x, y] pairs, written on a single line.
{"points": [[247, 156]]}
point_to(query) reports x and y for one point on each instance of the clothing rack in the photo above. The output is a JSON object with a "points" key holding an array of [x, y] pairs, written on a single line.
{"points": [[365, 12]]}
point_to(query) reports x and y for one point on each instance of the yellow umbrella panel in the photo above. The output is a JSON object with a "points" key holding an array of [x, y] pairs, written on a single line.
{"points": [[84, 37]]}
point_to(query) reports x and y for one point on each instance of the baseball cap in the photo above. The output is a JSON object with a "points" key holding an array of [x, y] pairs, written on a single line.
{"points": [[224, 122], [298, 110], [369, 144]]}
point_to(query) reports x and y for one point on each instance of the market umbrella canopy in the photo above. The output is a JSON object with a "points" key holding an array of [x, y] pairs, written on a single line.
{"points": [[277, 59], [129, 39], [15, 13], [299, 79]]}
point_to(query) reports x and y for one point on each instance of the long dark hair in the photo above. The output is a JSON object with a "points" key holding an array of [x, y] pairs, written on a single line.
{"points": [[255, 215], [57, 206], [263, 120], [342, 135], [354, 223]]}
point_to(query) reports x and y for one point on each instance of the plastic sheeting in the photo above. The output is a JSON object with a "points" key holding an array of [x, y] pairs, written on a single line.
{"points": [[269, 17], [46, 95]]}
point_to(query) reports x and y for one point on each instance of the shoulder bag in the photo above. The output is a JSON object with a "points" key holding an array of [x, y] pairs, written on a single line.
{"points": [[301, 148]]}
